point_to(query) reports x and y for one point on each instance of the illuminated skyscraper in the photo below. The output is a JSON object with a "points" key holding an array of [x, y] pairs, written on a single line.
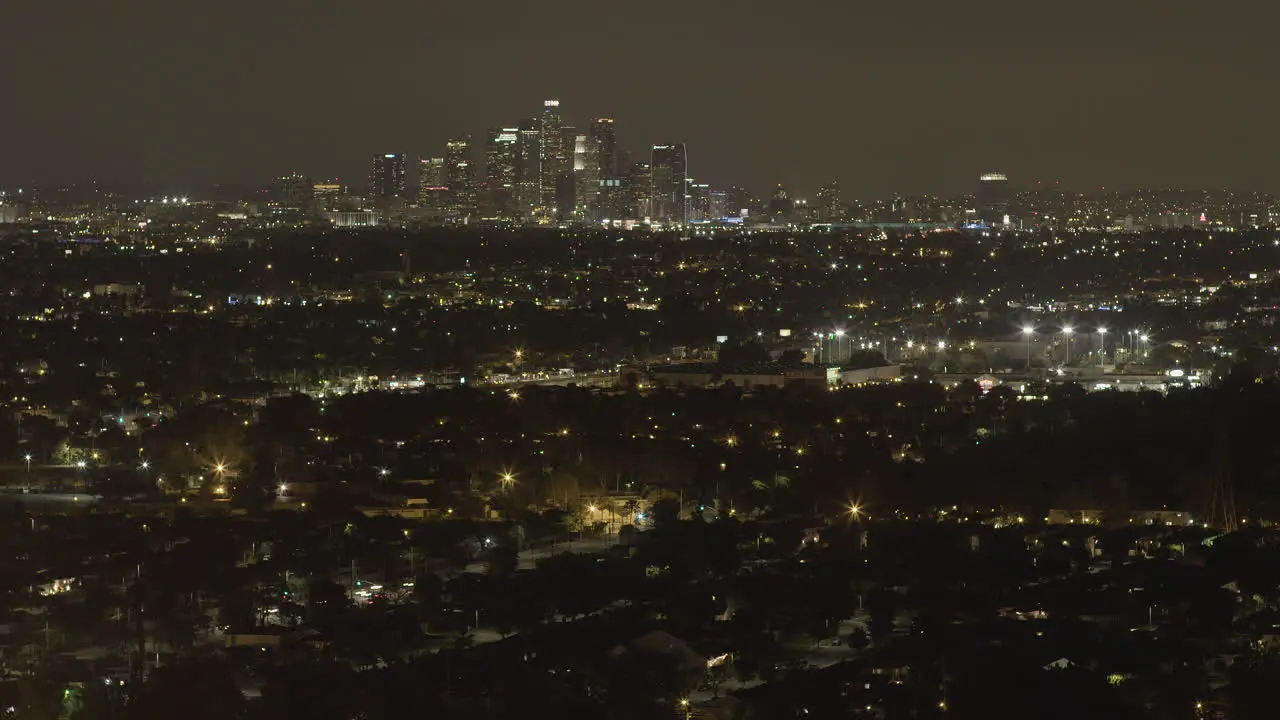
{"points": [[604, 147], [669, 189], [718, 205], [386, 178], [993, 198], [698, 202], [433, 192], [586, 178], [294, 190], [528, 190], [460, 177], [638, 191], [553, 154], [599, 163], [829, 206], [500, 171]]}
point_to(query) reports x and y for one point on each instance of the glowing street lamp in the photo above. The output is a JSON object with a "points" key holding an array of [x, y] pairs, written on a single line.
{"points": [[507, 479], [1066, 332], [1028, 332], [1102, 347]]}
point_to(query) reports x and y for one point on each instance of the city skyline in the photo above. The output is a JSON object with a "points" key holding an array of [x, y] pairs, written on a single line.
{"points": [[881, 99]]}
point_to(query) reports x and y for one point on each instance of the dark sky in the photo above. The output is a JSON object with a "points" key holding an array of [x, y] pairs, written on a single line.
{"points": [[897, 95]]}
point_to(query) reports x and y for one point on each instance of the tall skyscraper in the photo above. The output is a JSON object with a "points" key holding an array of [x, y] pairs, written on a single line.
{"points": [[604, 147], [553, 155], [294, 190], [829, 206], [387, 176], [528, 189], [669, 191], [638, 191], [566, 189], [993, 198], [594, 163], [586, 178], [698, 202], [500, 171], [460, 177], [718, 205], [433, 192]]}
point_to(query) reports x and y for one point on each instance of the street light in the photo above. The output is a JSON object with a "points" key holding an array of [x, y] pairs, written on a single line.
{"points": [[144, 465], [1102, 347], [27, 457], [942, 344], [1067, 331], [1028, 332], [507, 480]]}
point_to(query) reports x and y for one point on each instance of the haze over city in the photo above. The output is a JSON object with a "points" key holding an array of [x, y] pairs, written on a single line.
{"points": [[884, 97]]}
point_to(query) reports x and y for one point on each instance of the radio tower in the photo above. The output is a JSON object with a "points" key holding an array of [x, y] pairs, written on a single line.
{"points": [[1222, 496]]}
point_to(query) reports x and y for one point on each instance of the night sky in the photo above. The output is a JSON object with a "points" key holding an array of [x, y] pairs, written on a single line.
{"points": [[907, 96]]}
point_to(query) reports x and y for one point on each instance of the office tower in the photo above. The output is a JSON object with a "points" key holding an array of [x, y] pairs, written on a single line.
{"points": [[566, 187], [993, 198], [738, 202], [830, 207], [386, 180], [460, 178], [553, 155], [433, 190], [528, 189], [294, 190], [698, 202], [604, 147], [668, 167], [500, 171], [611, 202], [780, 203], [586, 178], [326, 192], [638, 191], [718, 205]]}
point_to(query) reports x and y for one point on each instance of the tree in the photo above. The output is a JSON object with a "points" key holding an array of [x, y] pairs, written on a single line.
{"points": [[502, 562], [194, 689]]}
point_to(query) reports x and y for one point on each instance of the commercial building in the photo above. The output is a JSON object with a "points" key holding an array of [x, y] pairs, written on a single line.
{"points": [[638, 189], [553, 156], [433, 190], [745, 377], [460, 178], [669, 172], [528, 183], [294, 190], [500, 171], [829, 206], [993, 198], [387, 176]]}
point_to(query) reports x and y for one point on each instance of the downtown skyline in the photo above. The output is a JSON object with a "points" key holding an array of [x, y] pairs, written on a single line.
{"points": [[882, 99]]}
